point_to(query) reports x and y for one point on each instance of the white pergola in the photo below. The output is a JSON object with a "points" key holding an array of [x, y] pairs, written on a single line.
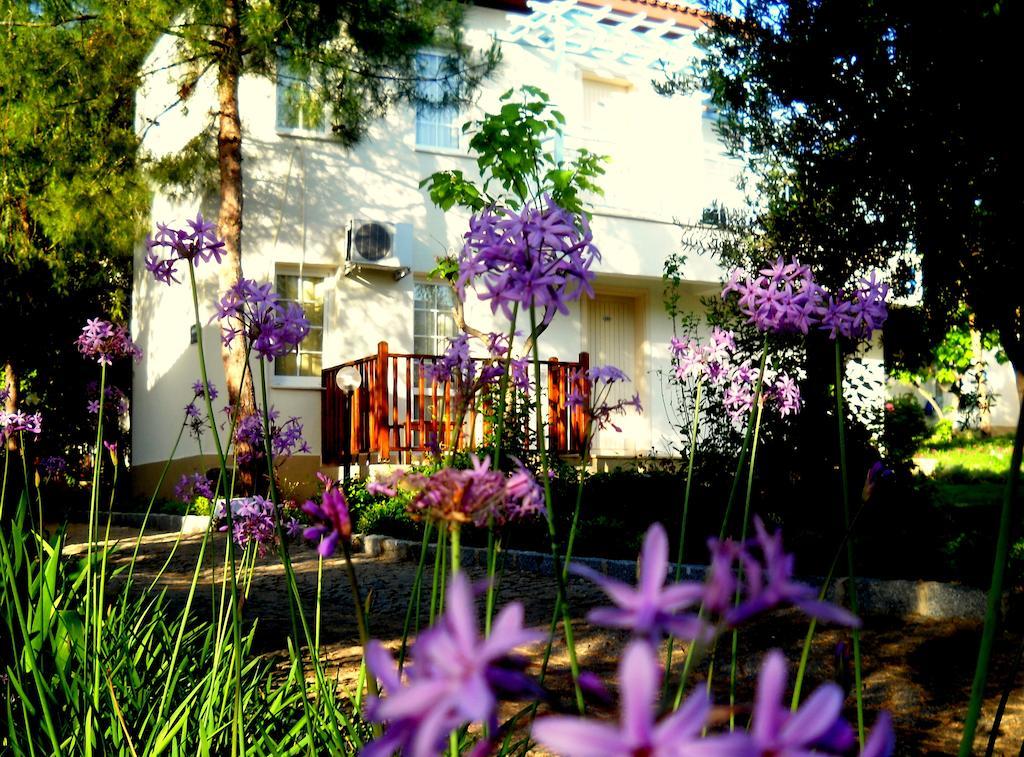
{"points": [[604, 33]]}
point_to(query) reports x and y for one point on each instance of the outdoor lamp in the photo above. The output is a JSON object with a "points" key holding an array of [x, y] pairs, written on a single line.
{"points": [[348, 379]]}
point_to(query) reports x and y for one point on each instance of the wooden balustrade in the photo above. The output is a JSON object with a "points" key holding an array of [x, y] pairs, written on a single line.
{"points": [[397, 411]]}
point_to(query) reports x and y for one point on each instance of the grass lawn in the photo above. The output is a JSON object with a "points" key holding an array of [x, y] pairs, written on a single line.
{"points": [[970, 458]]}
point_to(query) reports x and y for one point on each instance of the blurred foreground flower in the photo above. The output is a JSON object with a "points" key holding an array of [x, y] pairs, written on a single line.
{"points": [[455, 677]]}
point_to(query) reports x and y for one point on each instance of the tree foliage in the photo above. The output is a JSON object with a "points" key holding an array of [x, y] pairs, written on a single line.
{"points": [[72, 196], [871, 135]]}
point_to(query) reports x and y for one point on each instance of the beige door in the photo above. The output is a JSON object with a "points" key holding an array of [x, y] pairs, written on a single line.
{"points": [[612, 339]]}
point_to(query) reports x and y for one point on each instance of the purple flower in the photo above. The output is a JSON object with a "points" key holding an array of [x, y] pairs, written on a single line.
{"points": [[710, 359], [525, 495], [197, 389], [455, 677], [596, 401], [52, 465], [637, 732], [253, 521], [652, 608], [817, 726], [786, 394], [285, 438], [333, 521], [768, 582], [106, 342], [272, 327], [519, 373], [20, 422], [190, 487], [198, 242], [540, 257], [478, 495]]}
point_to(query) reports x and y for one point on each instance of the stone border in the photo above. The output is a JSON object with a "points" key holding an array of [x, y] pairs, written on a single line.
{"points": [[899, 598], [893, 597]]}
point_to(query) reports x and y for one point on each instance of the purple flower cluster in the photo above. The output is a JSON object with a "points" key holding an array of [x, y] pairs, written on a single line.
{"points": [[780, 389], [455, 677], [477, 495], [710, 359], [816, 727], [52, 466], [759, 571], [106, 342], [193, 416], [600, 380], [19, 422], [253, 523], [860, 313], [189, 487], [539, 257], [285, 438], [458, 366], [785, 298], [331, 520], [115, 401], [273, 328], [198, 242]]}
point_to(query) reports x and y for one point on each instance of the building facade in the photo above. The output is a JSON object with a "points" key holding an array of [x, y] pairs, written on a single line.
{"points": [[351, 236]]}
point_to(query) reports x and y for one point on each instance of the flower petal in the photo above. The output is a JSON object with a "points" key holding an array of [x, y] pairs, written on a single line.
{"points": [[639, 676], [578, 737], [816, 716]]}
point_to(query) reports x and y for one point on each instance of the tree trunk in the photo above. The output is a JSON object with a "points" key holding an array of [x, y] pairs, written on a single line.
{"points": [[229, 221], [981, 379], [11, 403]]}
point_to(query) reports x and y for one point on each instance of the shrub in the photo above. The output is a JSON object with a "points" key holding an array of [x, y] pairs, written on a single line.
{"points": [[905, 429]]}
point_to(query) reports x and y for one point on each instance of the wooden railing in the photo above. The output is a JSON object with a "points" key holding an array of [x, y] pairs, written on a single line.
{"points": [[397, 411]]}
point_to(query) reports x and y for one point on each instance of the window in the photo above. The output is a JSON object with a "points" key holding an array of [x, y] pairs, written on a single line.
{"points": [[606, 108], [433, 323], [308, 292], [297, 106], [435, 122]]}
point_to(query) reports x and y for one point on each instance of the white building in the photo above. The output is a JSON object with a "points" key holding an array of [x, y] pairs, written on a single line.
{"points": [[303, 192]]}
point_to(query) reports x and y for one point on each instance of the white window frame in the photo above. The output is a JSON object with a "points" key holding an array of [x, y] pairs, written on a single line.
{"points": [[307, 272], [424, 113], [284, 80]]}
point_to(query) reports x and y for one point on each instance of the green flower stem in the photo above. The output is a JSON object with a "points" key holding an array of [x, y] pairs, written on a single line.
{"points": [[743, 538], [364, 628], [92, 608], [845, 482], [414, 596], [561, 599], [149, 508], [995, 593], [680, 552], [456, 537], [11, 592], [438, 575], [806, 651], [741, 462], [493, 542], [237, 739], [295, 613]]}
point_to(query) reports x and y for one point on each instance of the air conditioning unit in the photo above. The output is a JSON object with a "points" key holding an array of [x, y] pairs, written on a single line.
{"points": [[371, 247]]}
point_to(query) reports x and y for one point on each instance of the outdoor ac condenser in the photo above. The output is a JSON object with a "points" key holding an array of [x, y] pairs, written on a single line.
{"points": [[371, 246]]}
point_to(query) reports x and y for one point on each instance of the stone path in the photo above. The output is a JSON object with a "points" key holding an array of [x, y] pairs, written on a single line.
{"points": [[919, 669]]}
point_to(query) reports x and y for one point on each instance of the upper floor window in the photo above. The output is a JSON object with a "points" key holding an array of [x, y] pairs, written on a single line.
{"points": [[308, 291], [436, 122], [297, 105], [606, 108]]}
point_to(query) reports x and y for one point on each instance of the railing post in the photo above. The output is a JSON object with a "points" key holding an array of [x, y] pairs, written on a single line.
{"points": [[580, 418], [554, 394], [381, 409]]}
